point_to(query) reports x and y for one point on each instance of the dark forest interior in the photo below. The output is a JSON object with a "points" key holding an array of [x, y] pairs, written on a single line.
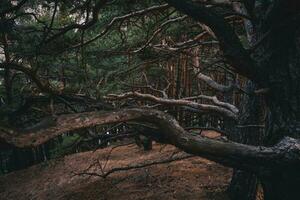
{"points": [[95, 94]]}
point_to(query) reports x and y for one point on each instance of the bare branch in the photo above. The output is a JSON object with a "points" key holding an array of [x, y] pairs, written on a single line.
{"points": [[220, 107], [122, 18], [213, 84], [162, 92], [95, 13], [215, 100], [137, 166], [160, 28], [208, 80]]}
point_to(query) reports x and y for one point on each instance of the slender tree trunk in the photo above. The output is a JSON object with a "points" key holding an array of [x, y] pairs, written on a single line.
{"points": [[7, 71]]}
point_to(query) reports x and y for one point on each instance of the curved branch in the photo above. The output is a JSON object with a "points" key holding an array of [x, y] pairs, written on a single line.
{"points": [[232, 154], [217, 102], [157, 31], [208, 80], [230, 44], [95, 12], [122, 18], [213, 84]]}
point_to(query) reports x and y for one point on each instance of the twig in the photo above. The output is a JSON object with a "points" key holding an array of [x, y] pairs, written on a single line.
{"points": [[138, 166]]}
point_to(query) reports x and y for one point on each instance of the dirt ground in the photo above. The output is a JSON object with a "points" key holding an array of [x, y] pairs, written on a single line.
{"points": [[188, 179]]}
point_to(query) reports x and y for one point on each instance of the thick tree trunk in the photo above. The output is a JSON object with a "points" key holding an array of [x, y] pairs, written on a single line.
{"points": [[281, 183], [278, 56], [281, 53], [243, 185]]}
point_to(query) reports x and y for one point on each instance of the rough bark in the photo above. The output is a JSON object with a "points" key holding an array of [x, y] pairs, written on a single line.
{"points": [[244, 184]]}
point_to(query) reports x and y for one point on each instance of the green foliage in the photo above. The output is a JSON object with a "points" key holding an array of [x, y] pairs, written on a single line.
{"points": [[83, 68]]}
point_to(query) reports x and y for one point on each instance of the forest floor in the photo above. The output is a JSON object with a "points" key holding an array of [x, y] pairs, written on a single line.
{"points": [[188, 179]]}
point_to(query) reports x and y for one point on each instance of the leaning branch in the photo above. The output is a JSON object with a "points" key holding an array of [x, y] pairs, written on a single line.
{"points": [[232, 154], [213, 84]]}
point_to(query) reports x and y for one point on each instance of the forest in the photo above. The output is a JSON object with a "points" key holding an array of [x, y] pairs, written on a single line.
{"points": [[153, 99]]}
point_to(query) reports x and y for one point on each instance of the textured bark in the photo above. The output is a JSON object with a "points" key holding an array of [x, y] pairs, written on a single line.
{"points": [[283, 120], [244, 184]]}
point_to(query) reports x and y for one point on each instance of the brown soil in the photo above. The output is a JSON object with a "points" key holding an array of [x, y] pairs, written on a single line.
{"points": [[192, 178]]}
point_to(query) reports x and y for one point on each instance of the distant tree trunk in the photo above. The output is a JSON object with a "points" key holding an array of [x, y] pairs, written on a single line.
{"points": [[20, 159], [2, 170], [143, 142], [7, 71]]}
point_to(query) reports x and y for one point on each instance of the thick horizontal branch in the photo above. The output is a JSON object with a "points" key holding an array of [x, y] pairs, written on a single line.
{"points": [[228, 153]]}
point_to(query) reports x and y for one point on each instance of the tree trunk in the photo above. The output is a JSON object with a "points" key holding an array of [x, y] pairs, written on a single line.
{"points": [[243, 184], [280, 55], [7, 71]]}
